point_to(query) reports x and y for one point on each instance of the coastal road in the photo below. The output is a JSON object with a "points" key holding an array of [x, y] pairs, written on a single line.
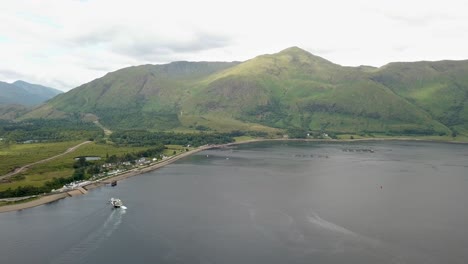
{"points": [[23, 168]]}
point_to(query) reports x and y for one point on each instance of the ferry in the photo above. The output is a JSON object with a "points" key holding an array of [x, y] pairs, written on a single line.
{"points": [[117, 203]]}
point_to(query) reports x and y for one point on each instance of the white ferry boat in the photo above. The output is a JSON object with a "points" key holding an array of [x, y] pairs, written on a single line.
{"points": [[117, 203]]}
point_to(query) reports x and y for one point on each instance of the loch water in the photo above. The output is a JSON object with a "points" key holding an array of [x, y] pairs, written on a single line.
{"points": [[268, 202]]}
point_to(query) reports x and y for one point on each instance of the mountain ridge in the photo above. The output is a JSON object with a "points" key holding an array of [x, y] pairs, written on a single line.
{"points": [[24, 93], [291, 88]]}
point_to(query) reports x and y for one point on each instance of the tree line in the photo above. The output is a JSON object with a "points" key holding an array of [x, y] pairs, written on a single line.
{"points": [[48, 130], [145, 138]]}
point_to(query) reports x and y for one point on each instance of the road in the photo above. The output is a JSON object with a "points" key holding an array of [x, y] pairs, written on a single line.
{"points": [[23, 168]]}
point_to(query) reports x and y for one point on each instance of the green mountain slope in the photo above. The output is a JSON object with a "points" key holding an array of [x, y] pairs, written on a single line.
{"points": [[292, 88], [297, 89], [12, 111], [440, 88], [142, 97]]}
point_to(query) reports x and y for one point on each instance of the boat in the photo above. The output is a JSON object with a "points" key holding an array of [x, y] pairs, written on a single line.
{"points": [[117, 203], [113, 183]]}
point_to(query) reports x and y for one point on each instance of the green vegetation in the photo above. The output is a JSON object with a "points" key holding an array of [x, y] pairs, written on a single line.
{"points": [[48, 130], [63, 165], [145, 138], [272, 93], [128, 147], [55, 173], [243, 138], [163, 109], [11, 112], [440, 88], [16, 155]]}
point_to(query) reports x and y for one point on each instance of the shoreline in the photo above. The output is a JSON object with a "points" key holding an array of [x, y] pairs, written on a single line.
{"points": [[48, 198], [37, 202]]}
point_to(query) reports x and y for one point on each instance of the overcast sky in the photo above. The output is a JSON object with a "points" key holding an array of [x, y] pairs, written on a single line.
{"points": [[65, 43]]}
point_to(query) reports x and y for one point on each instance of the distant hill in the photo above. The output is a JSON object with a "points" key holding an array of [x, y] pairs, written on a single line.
{"points": [[11, 111], [289, 89], [24, 93]]}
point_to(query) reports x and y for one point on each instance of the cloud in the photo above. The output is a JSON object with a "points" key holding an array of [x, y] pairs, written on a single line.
{"points": [[97, 37], [10, 75], [57, 83], [150, 45], [157, 49], [322, 50], [419, 20], [400, 48], [101, 68], [64, 44], [35, 18]]}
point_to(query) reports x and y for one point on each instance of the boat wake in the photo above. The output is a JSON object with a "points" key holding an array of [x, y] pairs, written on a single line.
{"points": [[78, 252], [315, 219], [324, 224]]}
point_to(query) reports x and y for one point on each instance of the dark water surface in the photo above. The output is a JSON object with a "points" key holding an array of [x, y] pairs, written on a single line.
{"points": [[294, 202]]}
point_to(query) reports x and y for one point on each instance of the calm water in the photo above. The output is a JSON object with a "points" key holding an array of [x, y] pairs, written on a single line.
{"points": [[406, 202]]}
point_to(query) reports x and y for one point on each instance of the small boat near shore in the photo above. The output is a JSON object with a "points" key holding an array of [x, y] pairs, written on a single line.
{"points": [[117, 203], [113, 183]]}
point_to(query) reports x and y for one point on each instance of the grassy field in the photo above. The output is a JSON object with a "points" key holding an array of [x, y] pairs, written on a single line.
{"points": [[17, 155], [63, 166], [175, 150]]}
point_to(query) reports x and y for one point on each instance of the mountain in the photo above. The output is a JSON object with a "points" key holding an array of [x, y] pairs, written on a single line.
{"points": [[24, 93], [289, 89], [12, 111], [440, 88]]}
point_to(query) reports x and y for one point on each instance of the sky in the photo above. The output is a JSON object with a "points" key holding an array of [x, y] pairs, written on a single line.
{"points": [[66, 43]]}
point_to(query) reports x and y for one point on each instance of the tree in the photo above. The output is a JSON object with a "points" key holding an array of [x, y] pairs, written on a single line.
{"points": [[81, 162], [79, 174], [297, 133], [454, 133], [112, 159]]}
